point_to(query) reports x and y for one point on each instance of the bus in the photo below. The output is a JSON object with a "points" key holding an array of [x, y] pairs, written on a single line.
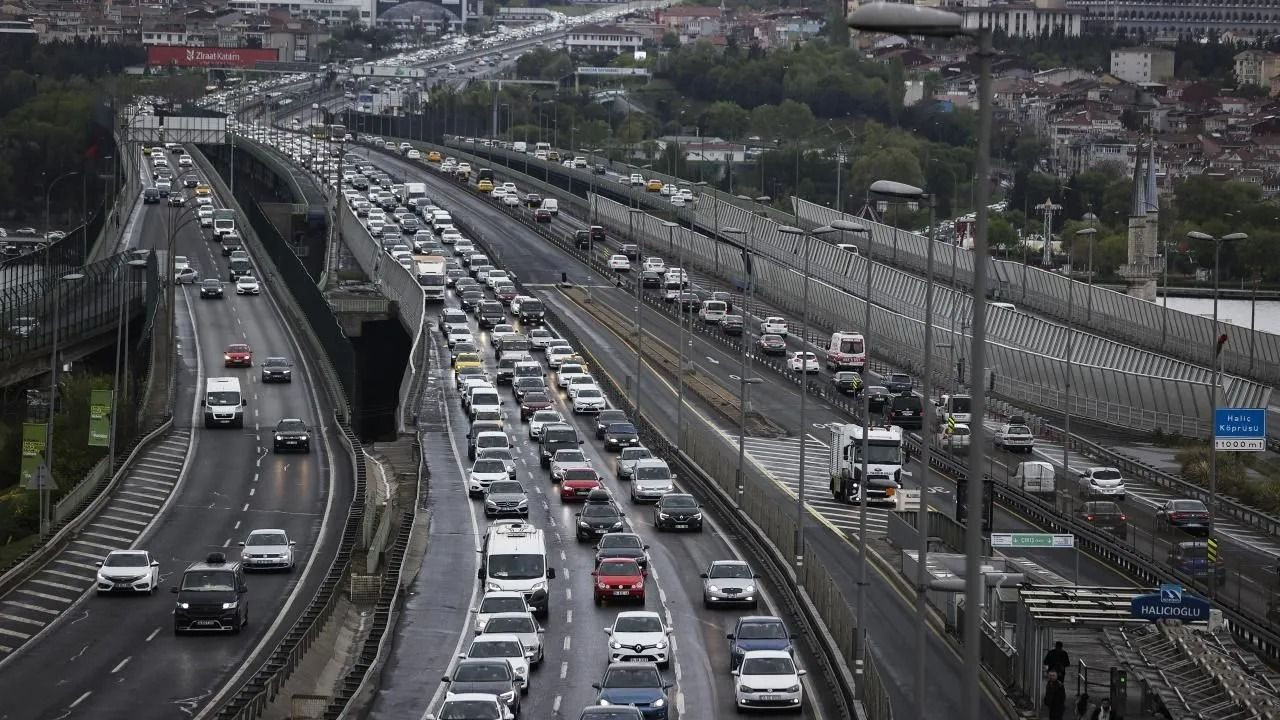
{"points": [[319, 131], [337, 133]]}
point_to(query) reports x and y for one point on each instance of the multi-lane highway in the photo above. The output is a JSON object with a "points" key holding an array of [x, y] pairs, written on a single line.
{"points": [[119, 657]]}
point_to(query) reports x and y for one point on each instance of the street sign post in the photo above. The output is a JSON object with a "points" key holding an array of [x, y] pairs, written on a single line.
{"points": [[1044, 541], [1240, 429]]}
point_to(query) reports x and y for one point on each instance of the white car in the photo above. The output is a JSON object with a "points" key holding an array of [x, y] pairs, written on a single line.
{"points": [[267, 550], [768, 679], [655, 264], [588, 400], [523, 626], [567, 372], [802, 362], [1105, 482], [619, 263], [566, 460], [498, 277], [1014, 437], [541, 419], [479, 706], [558, 354], [511, 200], [483, 472], [206, 216], [128, 571], [498, 601], [247, 285], [457, 335], [773, 326], [453, 237], [539, 338], [185, 276], [413, 155], [955, 439], [678, 201], [668, 189], [501, 332], [180, 262], [503, 646], [639, 635]]}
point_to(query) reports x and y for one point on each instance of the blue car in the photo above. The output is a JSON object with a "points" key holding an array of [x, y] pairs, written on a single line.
{"points": [[638, 684], [757, 632], [610, 712]]}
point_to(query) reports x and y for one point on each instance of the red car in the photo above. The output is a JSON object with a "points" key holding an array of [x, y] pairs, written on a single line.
{"points": [[506, 294], [238, 355], [542, 215], [532, 402], [772, 345], [618, 579], [577, 484]]}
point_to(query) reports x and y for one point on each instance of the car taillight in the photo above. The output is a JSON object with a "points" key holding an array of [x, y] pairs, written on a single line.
{"points": [[1124, 517], [1088, 517]]}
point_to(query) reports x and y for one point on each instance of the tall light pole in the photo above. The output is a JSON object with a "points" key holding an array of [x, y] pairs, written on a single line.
{"points": [[804, 384], [1219, 339], [671, 227], [47, 191], [1092, 219], [57, 287], [919, 20], [631, 214], [744, 357]]}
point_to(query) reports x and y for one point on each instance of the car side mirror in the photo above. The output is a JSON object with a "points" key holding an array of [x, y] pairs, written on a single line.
{"points": [[244, 403], [594, 573], [242, 590], [735, 673], [446, 679], [595, 685], [480, 573], [292, 543], [702, 575], [608, 631], [240, 544], [174, 589], [646, 547], [668, 686], [99, 564], [729, 635], [755, 576], [154, 563], [551, 573], [801, 673], [579, 441]]}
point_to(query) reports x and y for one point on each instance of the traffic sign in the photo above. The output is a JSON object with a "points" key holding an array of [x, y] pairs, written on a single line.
{"points": [[1032, 540], [1171, 602], [1211, 550], [41, 479], [1240, 429]]}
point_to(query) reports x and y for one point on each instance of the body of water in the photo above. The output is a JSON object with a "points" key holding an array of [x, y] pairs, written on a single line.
{"points": [[1235, 312]]}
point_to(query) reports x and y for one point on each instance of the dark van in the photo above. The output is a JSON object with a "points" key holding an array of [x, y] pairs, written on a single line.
{"points": [[485, 174], [557, 437], [211, 597], [905, 411]]}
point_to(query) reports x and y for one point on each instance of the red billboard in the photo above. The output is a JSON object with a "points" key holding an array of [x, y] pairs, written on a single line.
{"points": [[244, 58]]}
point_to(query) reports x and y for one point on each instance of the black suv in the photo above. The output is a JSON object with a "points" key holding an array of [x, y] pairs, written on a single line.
{"points": [[677, 511], [582, 239], [277, 369], [209, 597], [905, 411], [292, 434], [491, 313], [211, 288], [532, 312]]}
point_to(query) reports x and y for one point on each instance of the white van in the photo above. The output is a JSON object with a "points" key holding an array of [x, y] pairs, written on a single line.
{"points": [[552, 206], [520, 146], [223, 402], [713, 311], [515, 560], [1036, 477]]}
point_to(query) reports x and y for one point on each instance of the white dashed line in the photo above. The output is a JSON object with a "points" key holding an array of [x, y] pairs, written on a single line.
{"points": [[153, 634], [123, 662], [245, 508], [82, 698], [564, 670]]}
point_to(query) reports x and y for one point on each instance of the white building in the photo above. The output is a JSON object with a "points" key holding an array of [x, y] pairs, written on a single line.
{"points": [[1019, 18], [1142, 64], [603, 38], [333, 13]]}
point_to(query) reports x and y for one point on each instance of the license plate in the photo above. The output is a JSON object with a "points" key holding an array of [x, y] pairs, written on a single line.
{"points": [[682, 526], [767, 698], [208, 623], [619, 592], [290, 442], [582, 492], [123, 586]]}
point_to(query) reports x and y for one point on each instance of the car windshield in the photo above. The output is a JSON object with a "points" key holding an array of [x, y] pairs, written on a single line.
{"points": [[119, 559], [538, 397], [730, 570], [652, 473], [632, 677], [508, 486], [900, 379], [275, 361], [545, 415], [465, 347], [599, 510], [267, 538], [560, 436], [622, 429], [1189, 506], [501, 604], [291, 426], [762, 631], [496, 453], [212, 283], [491, 440], [510, 625], [589, 392], [618, 567], [482, 672], [488, 466], [531, 306], [1106, 474], [1103, 508], [516, 567], [880, 454], [569, 456], [1193, 552], [224, 398], [636, 454], [768, 666], [209, 581], [237, 348], [638, 624], [580, 474], [620, 540], [469, 710], [679, 501]]}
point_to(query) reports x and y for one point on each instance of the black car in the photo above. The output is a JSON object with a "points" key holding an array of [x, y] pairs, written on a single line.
{"points": [[150, 196], [211, 288], [598, 519], [533, 200], [610, 712], [582, 239], [631, 251], [542, 215], [620, 435], [847, 382], [532, 312], [491, 313], [650, 279], [905, 411], [488, 676], [292, 434], [1192, 557], [899, 383], [623, 545], [1104, 515], [190, 181], [771, 345], [210, 597], [877, 397], [731, 325], [677, 511], [471, 299], [277, 369], [1190, 516], [606, 418], [598, 169], [597, 234], [521, 386]]}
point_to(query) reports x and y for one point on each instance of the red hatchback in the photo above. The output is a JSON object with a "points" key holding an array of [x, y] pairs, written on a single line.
{"points": [[238, 355], [578, 483], [618, 579]]}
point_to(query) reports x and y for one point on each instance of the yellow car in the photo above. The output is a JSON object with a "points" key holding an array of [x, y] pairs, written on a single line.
{"points": [[653, 186], [203, 190], [485, 186], [466, 359], [553, 156], [433, 156]]}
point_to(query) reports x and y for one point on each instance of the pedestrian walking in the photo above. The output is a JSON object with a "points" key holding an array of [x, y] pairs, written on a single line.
{"points": [[1055, 697], [1104, 711], [1057, 660]]}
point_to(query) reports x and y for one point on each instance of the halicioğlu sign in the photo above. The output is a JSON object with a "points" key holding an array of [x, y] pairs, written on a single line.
{"points": [[1171, 603]]}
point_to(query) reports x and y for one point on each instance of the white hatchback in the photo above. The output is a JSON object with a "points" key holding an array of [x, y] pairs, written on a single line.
{"points": [[773, 326], [768, 679], [639, 635], [619, 263]]}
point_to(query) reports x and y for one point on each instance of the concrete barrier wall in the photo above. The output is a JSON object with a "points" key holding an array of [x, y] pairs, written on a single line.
{"points": [[1103, 394], [1181, 335], [397, 283]]}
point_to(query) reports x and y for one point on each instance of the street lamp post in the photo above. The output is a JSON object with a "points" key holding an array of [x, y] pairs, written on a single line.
{"points": [[47, 191], [43, 490], [920, 20], [631, 213], [1219, 340], [744, 357], [122, 339], [1090, 218]]}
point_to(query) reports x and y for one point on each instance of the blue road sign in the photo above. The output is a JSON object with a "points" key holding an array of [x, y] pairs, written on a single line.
{"points": [[1240, 429], [1170, 603]]}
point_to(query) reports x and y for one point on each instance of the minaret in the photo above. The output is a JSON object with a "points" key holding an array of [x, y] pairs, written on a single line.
{"points": [[1138, 271], [1152, 237]]}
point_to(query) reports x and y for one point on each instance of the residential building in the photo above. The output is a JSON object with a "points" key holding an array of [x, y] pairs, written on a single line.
{"points": [[297, 40], [1020, 18], [1142, 64], [331, 12], [687, 20], [1171, 19], [523, 16], [1257, 67], [603, 38]]}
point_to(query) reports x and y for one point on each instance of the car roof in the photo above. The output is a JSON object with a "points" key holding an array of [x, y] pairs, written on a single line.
{"points": [[766, 654], [639, 613], [759, 619], [267, 530]]}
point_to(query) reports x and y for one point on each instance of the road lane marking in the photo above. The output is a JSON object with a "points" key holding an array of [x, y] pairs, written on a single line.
{"points": [[81, 699], [564, 670], [245, 508], [121, 665], [152, 635], [20, 619]]}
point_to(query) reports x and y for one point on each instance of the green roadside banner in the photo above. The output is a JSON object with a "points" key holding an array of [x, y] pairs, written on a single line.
{"points": [[33, 445], [100, 418]]}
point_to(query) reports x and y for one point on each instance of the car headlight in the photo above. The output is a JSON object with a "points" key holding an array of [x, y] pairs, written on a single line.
{"points": [[661, 645], [660, 702], [523, 503], [539, 586], [494, 586], [184, 606], [663, 516], [279, 437], [749, 589], [226, 357], [615, 645], [522, 670], [602, 584], [582, 524], [792, 689], [713, 588], [230, 605], [696, 516], [745, 689], [602, 701], [617, 525], [508, 696]]}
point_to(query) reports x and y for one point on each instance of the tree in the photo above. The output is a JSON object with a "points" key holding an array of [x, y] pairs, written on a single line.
{"points": [[1001, 235], [895, 164], [790, 119], [670, 40], [725, 119]]}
